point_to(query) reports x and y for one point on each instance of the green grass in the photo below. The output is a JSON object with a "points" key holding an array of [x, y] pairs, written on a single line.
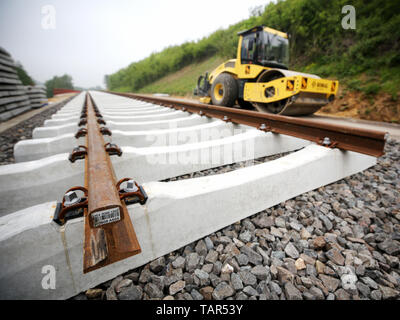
{"points": [[183, 81], [379, 78]]}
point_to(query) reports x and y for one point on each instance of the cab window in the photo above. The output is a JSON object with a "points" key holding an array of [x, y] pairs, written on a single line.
{"points": [[248, 49], [274, 48]]}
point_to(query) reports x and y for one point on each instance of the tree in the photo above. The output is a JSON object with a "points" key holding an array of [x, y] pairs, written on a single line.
{"points": [[256, 11], [63, 82], [23, 75]]}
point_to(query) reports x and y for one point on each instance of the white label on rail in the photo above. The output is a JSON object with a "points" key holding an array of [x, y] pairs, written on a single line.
{"points": [[106, 216]]}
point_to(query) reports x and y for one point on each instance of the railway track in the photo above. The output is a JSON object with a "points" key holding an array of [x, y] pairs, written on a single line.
{"points": [[152, 140]]}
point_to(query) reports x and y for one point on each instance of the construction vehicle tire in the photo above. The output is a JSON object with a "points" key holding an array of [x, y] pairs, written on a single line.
{"points": [[247, 105], [224, 90]]}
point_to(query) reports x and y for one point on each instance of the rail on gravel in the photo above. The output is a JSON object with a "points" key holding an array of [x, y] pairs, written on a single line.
{"points": [[156, 143], [369, 142]]}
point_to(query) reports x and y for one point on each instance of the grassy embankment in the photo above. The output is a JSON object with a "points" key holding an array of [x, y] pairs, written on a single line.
{"points": [[182, 82]]}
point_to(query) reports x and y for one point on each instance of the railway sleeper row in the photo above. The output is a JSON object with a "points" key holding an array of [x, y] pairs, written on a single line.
{"points": [[176, 213]]}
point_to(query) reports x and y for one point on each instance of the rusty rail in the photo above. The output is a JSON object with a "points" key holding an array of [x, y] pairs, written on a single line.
{"points": [[115, 240], [109, 233], [368, 142]]}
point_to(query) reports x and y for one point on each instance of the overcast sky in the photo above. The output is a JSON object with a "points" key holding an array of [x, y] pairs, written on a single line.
{"points": [[90, 38]]}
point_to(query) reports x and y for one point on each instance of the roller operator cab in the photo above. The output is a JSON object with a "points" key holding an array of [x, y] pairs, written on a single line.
{"points": [[259, 77]]}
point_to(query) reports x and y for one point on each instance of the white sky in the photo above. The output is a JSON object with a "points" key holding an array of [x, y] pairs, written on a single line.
{"points": [[92, 38]]}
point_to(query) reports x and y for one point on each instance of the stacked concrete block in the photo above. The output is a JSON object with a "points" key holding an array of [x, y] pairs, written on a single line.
{"points": [[37, 96], [13, 97]]}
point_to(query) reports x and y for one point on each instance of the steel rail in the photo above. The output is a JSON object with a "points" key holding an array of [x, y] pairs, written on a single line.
{"points": [[369, 142], [116, 240]]}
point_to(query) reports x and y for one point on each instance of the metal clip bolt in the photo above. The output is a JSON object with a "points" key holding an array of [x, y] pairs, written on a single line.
{"points": [[105, 131], [326, 141], [71, 198], [78, 153], [82, 122], [131, 186], [72, 206], [113, 149], [81, 133], [132, 193]]}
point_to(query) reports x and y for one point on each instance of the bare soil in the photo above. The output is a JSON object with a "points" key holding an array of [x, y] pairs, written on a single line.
{"points": [[356, 104]]}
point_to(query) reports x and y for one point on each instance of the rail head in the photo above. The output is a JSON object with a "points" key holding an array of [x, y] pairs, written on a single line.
{"points": [[370, 142], [109, 233]]}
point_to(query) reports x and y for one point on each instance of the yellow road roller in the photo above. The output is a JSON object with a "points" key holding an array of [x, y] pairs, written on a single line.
{"points": [[259, 78]]}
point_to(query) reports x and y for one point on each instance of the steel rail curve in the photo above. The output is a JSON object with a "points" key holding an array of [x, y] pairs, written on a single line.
{"points": [[364, 141]]}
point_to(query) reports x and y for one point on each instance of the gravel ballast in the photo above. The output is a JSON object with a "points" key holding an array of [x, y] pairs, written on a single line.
{"points": [[23, 131], [339, 242]]}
